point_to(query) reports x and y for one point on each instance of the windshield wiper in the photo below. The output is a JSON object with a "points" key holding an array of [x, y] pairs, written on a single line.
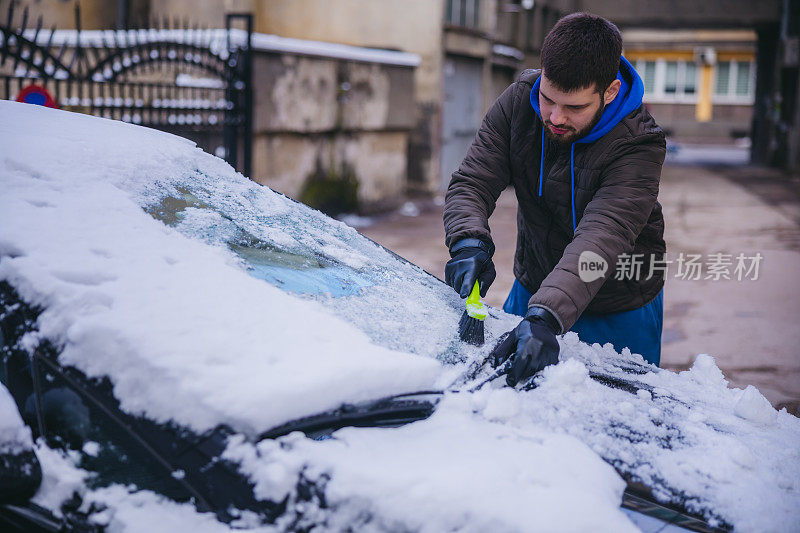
{"points": [[393, 411]]}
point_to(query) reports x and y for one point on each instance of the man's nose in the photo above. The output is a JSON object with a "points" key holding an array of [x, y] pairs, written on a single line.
{"points": [[557, 116]]}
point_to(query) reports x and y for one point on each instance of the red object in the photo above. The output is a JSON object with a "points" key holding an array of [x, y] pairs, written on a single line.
{"points": [[38, 95]]}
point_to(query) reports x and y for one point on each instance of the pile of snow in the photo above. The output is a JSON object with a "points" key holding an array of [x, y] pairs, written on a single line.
{"points": [[452, 472], [181, 329], [724, 453], [520, 460]]}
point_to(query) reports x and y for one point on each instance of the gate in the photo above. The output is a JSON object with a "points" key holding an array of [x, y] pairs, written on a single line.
{"points": [[191, 81]]}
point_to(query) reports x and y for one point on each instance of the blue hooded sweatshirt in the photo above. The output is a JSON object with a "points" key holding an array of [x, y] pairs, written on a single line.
{"points": [[628, 99]]}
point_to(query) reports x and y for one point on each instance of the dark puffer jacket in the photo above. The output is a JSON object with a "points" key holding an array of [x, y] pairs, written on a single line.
{"points": [[615, 209]]}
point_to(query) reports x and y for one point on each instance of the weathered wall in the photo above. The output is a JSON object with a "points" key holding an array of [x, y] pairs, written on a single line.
{"points": [[378, 159], [209, 14], [95, 14], [678, 120], [411, 26], [313, 112]]}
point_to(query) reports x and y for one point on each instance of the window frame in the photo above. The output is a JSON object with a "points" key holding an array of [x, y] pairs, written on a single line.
{"points": [[471, 14], [730, 97], [659, 95]]}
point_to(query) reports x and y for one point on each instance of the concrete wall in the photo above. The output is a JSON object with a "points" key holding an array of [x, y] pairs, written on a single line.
{"points": [[209, 14], [95, 14], [679, 122], [107, 14], [313, 112], [411, 26]]}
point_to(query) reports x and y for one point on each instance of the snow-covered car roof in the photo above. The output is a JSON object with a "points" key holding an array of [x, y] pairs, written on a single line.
{"points": [[207, 300]]}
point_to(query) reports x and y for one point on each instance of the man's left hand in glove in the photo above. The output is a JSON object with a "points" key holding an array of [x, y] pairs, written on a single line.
{"points": [[531, 346]]}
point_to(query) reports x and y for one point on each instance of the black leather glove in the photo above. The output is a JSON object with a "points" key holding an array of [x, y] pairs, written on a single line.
{"points": [[471, 260], [531, 346]]}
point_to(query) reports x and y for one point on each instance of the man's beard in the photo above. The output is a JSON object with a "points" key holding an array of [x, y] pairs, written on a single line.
{"points": [[571, 136]]}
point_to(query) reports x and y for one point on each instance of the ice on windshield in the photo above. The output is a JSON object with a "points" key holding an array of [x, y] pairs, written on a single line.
{"points": [[308, 254]]}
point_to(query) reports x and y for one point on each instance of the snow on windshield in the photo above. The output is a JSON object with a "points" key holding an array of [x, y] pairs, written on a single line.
{"points": [[182, 330]]}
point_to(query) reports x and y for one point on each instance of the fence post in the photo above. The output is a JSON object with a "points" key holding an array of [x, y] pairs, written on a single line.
{"points": [[241, 93]]}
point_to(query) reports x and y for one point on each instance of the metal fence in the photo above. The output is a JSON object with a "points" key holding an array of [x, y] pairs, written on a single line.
{"points": [[191, 81]]}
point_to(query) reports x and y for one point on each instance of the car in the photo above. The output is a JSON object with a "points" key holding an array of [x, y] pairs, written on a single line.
{"points": [[183, 348]]}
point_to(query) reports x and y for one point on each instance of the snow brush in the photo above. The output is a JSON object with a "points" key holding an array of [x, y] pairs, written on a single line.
{"points": [[470, 327]]}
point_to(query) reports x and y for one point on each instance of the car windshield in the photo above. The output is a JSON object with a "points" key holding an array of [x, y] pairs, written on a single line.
{"points": [[305, 253]]}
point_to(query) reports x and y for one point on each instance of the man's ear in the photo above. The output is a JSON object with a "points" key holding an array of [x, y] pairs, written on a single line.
{"points": [[611, 92]]}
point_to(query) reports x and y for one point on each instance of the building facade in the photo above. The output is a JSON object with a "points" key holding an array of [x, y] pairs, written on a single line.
{"points": [[699, 84]]}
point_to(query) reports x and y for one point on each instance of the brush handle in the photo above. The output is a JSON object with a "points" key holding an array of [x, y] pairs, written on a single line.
{"points": [[475, 308], [474, 297]]}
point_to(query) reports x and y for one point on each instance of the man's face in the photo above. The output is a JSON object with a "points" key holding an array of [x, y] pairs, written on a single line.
{"points": [[570, 116]]}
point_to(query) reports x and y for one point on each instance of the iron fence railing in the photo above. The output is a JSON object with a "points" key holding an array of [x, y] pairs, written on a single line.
{"points": [[191, 81]]}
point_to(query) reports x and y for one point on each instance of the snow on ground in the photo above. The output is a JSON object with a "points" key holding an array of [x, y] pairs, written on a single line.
{"points": [[183, 331], [708, 154]]}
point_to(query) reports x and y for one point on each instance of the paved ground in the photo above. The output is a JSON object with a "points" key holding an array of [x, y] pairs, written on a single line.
{"points": [[750, 326]]}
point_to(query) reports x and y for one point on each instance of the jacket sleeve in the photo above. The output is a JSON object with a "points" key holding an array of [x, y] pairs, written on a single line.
{"points": [[482, 176], [609, 227]]}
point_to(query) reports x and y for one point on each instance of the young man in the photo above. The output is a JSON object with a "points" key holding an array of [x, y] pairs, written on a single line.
{"points": [[584, 157]]}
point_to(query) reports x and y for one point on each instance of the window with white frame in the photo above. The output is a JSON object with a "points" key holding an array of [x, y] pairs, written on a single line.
{"points": [[734, 82], [668, 81]]}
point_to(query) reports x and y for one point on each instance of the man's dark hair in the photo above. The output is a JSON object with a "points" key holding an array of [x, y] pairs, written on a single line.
{"points": [[580, 51]]}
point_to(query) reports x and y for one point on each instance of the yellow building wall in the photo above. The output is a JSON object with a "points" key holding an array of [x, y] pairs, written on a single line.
{"points": [[704, 109]]}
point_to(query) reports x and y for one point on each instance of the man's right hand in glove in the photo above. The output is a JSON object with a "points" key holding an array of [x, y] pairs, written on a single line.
{"points": [[531, 346], [471, 260]]}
